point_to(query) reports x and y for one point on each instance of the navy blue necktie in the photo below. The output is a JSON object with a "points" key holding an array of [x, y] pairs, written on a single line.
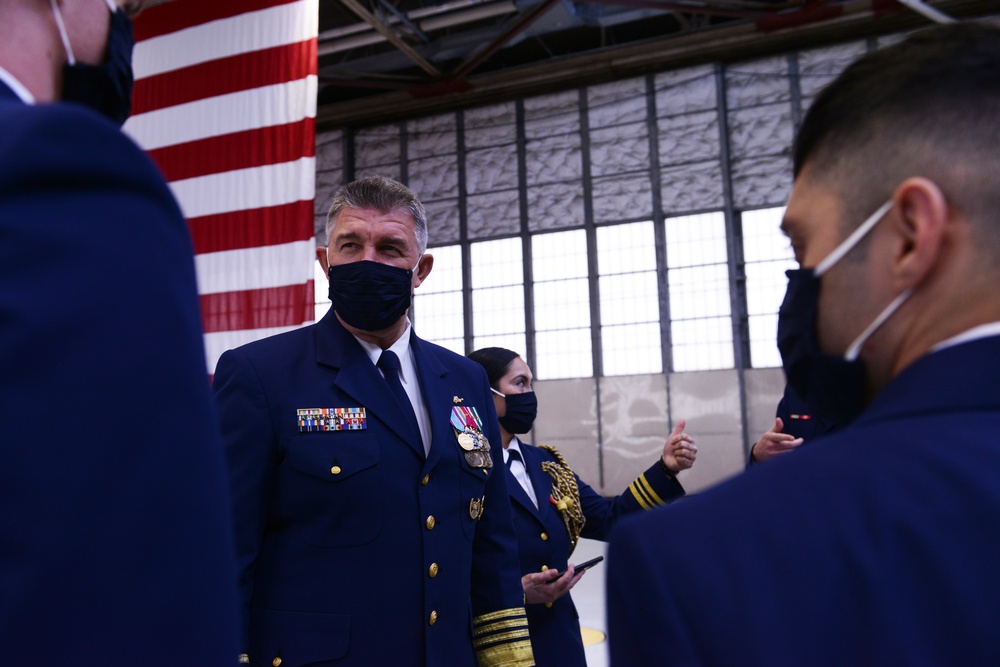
{"points": [[389, 365]]}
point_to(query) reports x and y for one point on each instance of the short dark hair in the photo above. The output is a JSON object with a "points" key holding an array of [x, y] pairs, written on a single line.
{"points": [[927, 106], [496, 361], [383, 194]]}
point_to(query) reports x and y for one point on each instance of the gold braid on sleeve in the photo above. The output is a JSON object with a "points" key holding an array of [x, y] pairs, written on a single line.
{"points": [[565, 495]]}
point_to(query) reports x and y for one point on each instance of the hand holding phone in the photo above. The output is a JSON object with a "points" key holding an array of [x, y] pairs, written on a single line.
{"points": [[582, 567]]}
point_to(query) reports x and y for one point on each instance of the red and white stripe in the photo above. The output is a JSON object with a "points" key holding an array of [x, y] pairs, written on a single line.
{"points": [[225, 103]]}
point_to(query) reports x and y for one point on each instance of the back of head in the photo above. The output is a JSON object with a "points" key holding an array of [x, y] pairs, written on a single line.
{"points": [[496, 361], [384, 195], [927, 106]]}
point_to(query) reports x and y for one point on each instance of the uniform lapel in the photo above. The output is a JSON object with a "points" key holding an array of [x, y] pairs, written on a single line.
{"points": [[358, 378], [533, 464], [438, 399]]}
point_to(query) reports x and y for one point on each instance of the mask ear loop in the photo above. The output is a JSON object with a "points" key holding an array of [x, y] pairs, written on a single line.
{"points": [[62, 32], [852, 240]]}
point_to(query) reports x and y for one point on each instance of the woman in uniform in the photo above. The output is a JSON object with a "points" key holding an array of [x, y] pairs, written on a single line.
{"points": [[553, 508]]}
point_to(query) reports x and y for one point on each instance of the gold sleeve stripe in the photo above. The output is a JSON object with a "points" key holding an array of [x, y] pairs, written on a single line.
{"points": [[644, 493], [502, 637], [515, 654], [519, 622], [513, 612]]}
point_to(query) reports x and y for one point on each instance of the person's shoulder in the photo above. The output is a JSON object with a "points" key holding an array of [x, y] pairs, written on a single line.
{"points": [[73, 138], [277, 342]]}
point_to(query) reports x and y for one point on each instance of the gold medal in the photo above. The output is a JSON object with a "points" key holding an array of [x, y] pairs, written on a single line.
{"points": [[487, 460], [474, 459], [466, 441], [475, 508]]}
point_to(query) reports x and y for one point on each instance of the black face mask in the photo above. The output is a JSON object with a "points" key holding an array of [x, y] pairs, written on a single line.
{"points": [[521, 412], [105, 88], [369, 295], [832, 386]]}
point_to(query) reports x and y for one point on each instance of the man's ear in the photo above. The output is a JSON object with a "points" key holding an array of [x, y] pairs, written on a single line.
{"points": [[321, 256], [424, 266], [921, 217]]}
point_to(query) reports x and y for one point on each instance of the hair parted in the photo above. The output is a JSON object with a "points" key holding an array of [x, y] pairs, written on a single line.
{"points": [[384, 195]]}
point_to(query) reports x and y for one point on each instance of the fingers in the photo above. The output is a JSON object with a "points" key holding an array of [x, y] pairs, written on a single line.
{"points": [[779, 425]]}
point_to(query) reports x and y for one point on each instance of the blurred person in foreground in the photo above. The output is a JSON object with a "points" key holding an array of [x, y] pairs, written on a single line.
{"points": [[372, 525], [877, 544], [115, 540], [553, 507]]}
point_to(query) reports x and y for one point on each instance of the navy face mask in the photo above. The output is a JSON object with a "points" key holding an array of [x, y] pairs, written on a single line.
{"points": [[521, 412], [370, 296], [834, 387], [105, 88]]}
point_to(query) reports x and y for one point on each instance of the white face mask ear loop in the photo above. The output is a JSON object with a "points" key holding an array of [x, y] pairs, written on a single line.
{"points": [[855, 348], [498, 393], [62, 32], [852, 240]]}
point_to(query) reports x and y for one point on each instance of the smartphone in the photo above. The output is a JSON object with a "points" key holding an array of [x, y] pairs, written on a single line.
{"points": [[586, 565]]}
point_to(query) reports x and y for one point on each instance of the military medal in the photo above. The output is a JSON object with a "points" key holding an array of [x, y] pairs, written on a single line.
{"points": [[467, 441], [476, 508], [469, 433]]}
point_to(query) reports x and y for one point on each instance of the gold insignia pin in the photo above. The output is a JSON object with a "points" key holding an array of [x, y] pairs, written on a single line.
{"points": [[456, 400]]}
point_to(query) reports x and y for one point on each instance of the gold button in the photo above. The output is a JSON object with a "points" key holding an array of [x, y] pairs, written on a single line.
{"points": [[430, 522], [336, 471], [276, 662], [544, 568], [433, 570], [433, 618], [545, 536], [548, 605], [426, 479], [486, 472]]}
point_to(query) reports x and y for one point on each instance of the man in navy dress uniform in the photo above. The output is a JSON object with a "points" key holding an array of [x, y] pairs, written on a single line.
{"points": [[389, 541], [877, 544], [115, 540]]}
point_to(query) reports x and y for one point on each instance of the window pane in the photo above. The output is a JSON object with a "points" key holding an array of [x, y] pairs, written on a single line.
{"points": [[446, 276], [498, 294], [561, 295], [496, 263], [562, 304], [438, 317], [498, 310], [696, 240], [768, 255], [437, 304], [702, 344], [515, 342], [628, 349], [701, 291], [698, 283], [626, 248], [626, 257], [563, 354], [629, 299], [559, 256]]}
